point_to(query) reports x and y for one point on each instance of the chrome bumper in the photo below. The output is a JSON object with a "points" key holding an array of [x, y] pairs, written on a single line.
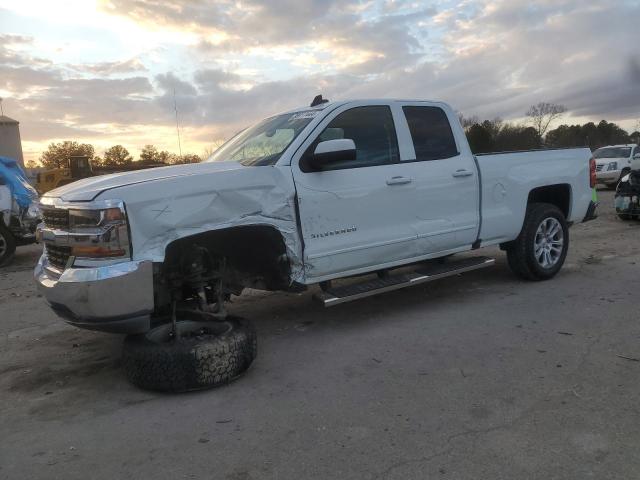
{"points": [[608, 176], [116, 298]]}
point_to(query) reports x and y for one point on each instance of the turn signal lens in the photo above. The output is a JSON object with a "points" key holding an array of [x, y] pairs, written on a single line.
{"points": [[112, 215]]}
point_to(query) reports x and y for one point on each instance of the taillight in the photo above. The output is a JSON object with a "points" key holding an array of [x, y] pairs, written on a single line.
{"points": [[592, 173]]}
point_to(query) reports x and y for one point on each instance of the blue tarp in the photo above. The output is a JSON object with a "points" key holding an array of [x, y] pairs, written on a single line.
{"points": [[16, 179]]}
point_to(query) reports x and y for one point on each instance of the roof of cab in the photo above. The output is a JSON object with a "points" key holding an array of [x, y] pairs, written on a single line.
{"points": [[322, 106]]}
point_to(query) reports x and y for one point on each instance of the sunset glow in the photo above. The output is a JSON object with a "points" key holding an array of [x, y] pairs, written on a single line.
{"points": [[104, 72]]}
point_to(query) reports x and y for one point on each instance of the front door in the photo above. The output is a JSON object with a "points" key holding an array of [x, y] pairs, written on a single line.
{"points": [[353, 214]]}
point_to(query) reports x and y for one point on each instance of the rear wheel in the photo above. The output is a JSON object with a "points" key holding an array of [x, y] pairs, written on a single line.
{"points": [[7, 245], [541, 248]]}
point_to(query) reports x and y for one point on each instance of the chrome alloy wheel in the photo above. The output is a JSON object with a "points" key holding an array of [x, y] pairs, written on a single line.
{"points": [[549, 242]]}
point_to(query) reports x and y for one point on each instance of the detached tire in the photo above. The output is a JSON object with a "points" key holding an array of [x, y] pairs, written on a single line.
{"points": [[205, 354], [541, 248], [7, 245]]}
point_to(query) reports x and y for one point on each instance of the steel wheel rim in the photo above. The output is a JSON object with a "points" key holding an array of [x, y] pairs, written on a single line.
{"points": [[3, 245], [548, 243]]}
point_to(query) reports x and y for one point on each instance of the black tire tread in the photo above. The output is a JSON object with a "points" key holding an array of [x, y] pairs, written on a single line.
{"points": [[190, 363], [519, 257], [11, 244]]}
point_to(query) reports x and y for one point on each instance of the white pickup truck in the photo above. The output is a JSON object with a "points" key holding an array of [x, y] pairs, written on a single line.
{"points": [[305, 197]]}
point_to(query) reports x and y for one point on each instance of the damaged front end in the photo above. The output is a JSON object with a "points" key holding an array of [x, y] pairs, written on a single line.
{"points": [[627, 198]]}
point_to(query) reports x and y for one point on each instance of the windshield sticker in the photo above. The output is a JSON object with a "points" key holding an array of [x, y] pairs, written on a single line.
{"points": [[305, 114]]}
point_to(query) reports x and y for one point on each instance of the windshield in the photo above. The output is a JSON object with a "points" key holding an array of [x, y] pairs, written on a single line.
{"points": [[612, 152], [264, 143]]}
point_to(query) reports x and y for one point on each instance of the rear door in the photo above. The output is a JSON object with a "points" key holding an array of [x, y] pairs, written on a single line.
{"points": [[354, 214], [445, 208]]}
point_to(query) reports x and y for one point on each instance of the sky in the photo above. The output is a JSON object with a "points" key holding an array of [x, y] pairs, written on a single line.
{"points": [[111, 72]]}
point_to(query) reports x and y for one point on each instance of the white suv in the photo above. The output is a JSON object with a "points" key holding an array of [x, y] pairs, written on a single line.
{"points": [[615, 161]]}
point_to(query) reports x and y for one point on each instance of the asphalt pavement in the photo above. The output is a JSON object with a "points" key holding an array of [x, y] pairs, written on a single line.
{"points": [[479, 376]]}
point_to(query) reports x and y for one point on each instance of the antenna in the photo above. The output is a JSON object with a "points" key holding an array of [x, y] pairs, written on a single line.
{"points": [[175, 108]]}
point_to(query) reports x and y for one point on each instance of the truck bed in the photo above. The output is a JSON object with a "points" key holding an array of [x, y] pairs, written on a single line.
{"points": [[507, 179]]}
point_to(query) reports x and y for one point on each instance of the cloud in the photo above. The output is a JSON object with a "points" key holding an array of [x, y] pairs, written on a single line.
{"points": [[110, 68], [243, 61]]}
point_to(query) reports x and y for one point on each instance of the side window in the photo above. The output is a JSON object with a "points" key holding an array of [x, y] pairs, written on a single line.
{"points": [[371, 129], [431, 133], [637, 151]]}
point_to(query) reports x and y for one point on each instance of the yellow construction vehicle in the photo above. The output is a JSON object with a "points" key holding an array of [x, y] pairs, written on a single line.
{"points": [[76, 167]]}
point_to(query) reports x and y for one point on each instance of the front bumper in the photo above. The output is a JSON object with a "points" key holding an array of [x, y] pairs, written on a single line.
{"points": [[116, 298], [608, 177]]}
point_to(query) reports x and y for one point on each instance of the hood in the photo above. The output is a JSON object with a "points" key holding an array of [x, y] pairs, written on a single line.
{"points": [[89, 188]]}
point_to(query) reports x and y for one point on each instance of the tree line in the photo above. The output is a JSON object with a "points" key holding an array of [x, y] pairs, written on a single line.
{"points": [[495, 135], [57, 154], [484, 136]]}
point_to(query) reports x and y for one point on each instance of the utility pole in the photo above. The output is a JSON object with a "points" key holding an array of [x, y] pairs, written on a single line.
{"points": [[1, 109], [175, 108]]}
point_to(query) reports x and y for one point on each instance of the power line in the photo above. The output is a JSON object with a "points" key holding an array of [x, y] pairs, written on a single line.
{"points": [[175, 108]]}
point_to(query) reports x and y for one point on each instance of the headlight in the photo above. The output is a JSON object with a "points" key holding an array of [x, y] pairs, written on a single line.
{"points": [[612, 166], [95, 218], [33, 211], [99, 234]]}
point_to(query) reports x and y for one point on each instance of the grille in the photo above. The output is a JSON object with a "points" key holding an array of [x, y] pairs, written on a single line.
{"points": [[56, 218], [599, 168], [58, 256]]}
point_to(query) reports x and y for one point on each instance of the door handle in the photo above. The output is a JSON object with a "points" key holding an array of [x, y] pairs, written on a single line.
{"points": [[462, 173], [398, 180]]}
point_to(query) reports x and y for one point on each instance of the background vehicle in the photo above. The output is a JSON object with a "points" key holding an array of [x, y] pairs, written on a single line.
{"points": [[615, 161], [627, 199], [19, 214], [306, 197]]}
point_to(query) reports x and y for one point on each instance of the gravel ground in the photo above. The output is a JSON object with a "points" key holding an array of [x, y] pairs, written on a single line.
{"points": [[479, 376]]}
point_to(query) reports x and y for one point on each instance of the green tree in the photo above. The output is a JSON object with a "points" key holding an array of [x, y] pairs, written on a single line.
{"points": [[57, 154], [517, 137], [31, 164], [117, 155], [149, 154], [186, 158], [591, 135], [479, 138]]}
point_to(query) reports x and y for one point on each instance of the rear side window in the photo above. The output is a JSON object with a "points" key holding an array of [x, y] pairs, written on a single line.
{"points": [[431, 133], [371, 129]]}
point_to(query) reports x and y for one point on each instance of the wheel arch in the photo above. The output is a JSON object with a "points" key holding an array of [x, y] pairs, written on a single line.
{"points": [[256, 253], [557, 194]]}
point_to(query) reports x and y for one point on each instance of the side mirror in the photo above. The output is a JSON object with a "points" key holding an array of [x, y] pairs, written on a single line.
{"points": [[332, 151]]}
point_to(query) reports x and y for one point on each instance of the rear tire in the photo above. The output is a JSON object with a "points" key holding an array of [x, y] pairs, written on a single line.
{"points": [[625, 217], [7, 245], [541, 248], [206, 354]]}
